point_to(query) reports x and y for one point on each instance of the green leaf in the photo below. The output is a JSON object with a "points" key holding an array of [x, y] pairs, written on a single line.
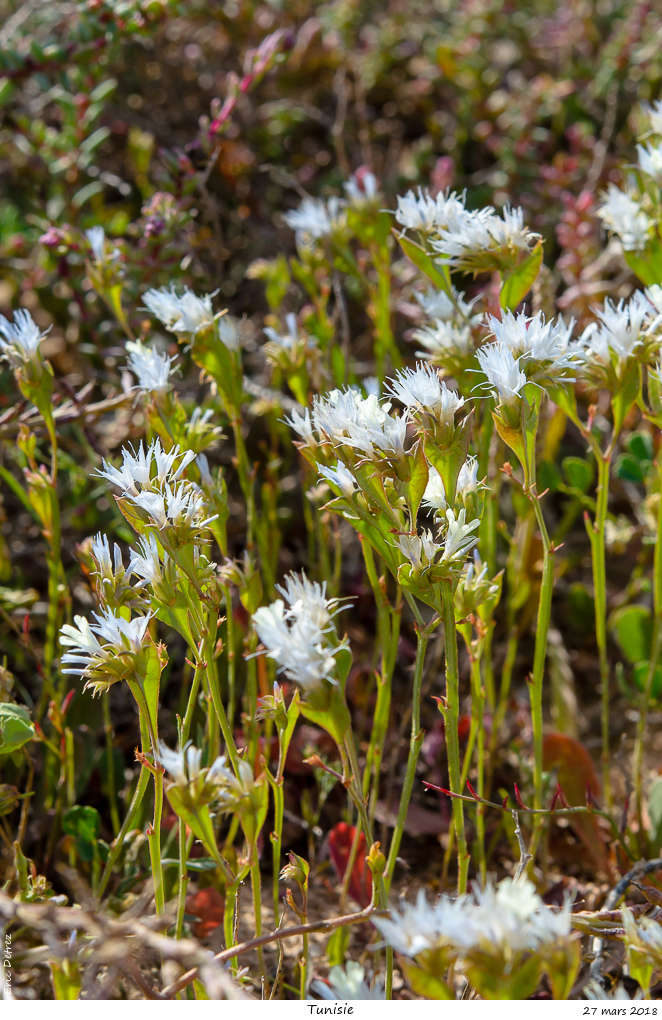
{"points": [[418, 479], [629, 468], [16, 728], [337, 946], [549, 476], [647, 265], [632, 627], [640, 444], [520, 281], [640, 676], [436, 273], [579, 473], [83, 823], [424, 983]]}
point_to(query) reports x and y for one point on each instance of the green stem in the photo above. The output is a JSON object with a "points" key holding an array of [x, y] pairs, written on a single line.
{"points": [[451, 720], [415, 742], [185, 844], [118, 843], [598, 550], [212, 680], [538, 675]]}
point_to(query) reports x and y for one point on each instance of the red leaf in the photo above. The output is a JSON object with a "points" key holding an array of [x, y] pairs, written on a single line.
{"points": [[341, 838], [208, 906]]}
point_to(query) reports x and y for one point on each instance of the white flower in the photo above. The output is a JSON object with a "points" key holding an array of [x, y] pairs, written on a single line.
{"points": [[301, 422], [229, 332], [434, 496], [347, 418], [621, 213], [443, 342], [498, 920], [502, 369], [362, 188], [96, 237], [180, 313], [290, 339], [541, 347], [145, 562], [151, 368], [421, 389], [316, 218], [650, 161], [467, 479], [298, 632], [145, 467], [339, 476], [437, 304], [102, 651], [107, 567], [181, 506], [472, 241], [644, 935], [621, 331], [20, 339], [421, 550], [348, 982], [459, 537], [427, 213], [185, 766]]}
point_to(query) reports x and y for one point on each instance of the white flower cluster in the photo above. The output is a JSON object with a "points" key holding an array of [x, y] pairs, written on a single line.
{"points": [[348, 419], [316, 218], [149, 479], [500, 920], [20, 339], [622, 213], [348, 982], [298, 632], [457, 538], [422, 391], [447, 340], [151, 368], [102, 651], [469, 240], [212, 782], [629, 329], [184, 312]]}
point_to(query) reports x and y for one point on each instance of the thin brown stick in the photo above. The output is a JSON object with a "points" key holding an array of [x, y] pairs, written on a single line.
{"points": [[275, 936]]}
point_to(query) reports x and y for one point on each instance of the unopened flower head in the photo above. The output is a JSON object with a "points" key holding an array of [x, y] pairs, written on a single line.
{"points": [[180, 312], [476, 592], [20, 339], [104, 651], [421, 390], [499, 921], [151, 368], [503, 372], [298, 632], [422, 550], [621, 213], [479, 241], [419, 210], [316, 218]]}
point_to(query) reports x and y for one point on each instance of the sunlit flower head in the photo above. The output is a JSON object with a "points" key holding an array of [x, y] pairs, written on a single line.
{"points": [[104, 651], [146, 466], [480, 240], [421, 389], [298, 632], [542, 347], [497, 920], [180, 312], [419, 210], [316, 218], [624, 331], [621, 213], [503, 372], [20, 339], [151, 368], [347, 418]]}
